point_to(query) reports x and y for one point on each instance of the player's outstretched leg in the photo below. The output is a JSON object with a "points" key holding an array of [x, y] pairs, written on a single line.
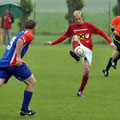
{"points": [[30, 82]]}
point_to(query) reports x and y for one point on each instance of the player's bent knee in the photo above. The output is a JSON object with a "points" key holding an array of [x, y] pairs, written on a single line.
{"points": [[75, 38], [34, 82], [30, 81]]}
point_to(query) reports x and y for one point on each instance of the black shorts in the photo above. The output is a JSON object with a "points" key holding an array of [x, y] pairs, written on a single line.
{"points": [[117, 42]]}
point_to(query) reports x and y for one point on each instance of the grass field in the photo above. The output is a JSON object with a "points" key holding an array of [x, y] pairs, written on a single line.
{"points": [[58, 75], [58, 78]]}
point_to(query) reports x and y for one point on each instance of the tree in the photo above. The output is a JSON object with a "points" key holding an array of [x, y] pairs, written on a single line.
{"points": [[27, 8], [72, 6], [24, 17], [116, 9]]}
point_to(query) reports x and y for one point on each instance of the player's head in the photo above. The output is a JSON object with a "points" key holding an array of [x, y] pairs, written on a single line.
{"points": [[7, 11], [31, 25], [78, 16]]}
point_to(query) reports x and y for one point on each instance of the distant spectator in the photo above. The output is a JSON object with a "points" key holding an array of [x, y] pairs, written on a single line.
{"points": [[6, 25]]}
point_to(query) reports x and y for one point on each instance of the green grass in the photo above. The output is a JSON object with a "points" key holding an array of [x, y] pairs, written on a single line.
{"points": [[58, 78]]}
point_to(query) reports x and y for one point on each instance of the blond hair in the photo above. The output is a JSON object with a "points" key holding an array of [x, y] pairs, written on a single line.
{"points": [[77, 13]]}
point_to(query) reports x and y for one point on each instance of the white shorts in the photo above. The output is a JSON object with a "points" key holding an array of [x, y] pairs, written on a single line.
{"points": [[88, 54]]}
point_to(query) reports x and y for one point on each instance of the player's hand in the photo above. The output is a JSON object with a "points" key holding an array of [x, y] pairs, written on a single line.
{"points": [[114, 32], [9, 20], [48, 43], [112, 45], [19, 62]]}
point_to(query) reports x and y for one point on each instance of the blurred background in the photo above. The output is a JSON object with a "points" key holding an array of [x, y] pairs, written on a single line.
{"points": [[50, 16]]}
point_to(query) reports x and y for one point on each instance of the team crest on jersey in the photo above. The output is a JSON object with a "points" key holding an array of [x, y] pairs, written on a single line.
{"points": [[81, 36], [87, 35]]}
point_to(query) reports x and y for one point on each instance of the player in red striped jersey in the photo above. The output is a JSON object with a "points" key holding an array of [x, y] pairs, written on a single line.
{"points": [[82, 36]]}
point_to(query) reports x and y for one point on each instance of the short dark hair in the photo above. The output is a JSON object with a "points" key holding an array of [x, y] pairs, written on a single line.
{"points": [[30, 24]]}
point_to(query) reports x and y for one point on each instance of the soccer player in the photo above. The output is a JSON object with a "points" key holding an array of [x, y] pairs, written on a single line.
{"points": [[11, 64], [82, 36], [116, 54]]}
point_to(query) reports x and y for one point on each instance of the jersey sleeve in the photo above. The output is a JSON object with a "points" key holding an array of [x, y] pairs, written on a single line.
{"points": [[100, 32], [63, 37], [115, 20], [27, 37]]}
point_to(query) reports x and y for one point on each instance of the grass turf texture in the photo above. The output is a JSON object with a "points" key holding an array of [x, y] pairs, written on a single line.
{"points": [[57, 74], [58, 78]]}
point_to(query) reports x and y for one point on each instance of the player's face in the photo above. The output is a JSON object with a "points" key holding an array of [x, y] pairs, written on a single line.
{"points": [[78, 20], [7, 11]]}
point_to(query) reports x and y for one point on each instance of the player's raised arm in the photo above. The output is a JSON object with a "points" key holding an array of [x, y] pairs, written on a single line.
{"points": [[100, 32], [60, 39]]}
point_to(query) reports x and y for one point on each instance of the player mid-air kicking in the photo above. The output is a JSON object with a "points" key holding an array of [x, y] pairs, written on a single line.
{"points": [[82, 35]]}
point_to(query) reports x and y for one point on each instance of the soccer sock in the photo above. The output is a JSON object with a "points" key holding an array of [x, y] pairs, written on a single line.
{"points": [[83, 84], [26, 100], [75, 44], [109, 64]]}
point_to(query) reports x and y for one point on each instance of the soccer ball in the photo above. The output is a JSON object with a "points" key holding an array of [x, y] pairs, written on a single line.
{"points": [[80, 51]]}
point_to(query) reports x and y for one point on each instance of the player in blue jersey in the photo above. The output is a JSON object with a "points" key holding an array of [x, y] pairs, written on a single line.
{"points": [[11, 64]]}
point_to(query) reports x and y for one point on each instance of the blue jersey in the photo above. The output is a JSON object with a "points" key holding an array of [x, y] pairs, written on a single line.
{"points": [[9, 57]]}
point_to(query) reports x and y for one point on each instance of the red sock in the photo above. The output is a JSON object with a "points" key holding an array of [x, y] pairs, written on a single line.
{"points": [[83, 84], [75, 44]]}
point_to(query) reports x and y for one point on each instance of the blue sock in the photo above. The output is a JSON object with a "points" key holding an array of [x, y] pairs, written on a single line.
{"points": [[26, 100]]}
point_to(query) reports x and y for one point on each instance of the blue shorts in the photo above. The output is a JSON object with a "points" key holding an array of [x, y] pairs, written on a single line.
{"points": [[21, 73]]}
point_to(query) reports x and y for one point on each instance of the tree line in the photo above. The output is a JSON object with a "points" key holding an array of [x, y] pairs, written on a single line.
{"points": [[72, 5]]}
